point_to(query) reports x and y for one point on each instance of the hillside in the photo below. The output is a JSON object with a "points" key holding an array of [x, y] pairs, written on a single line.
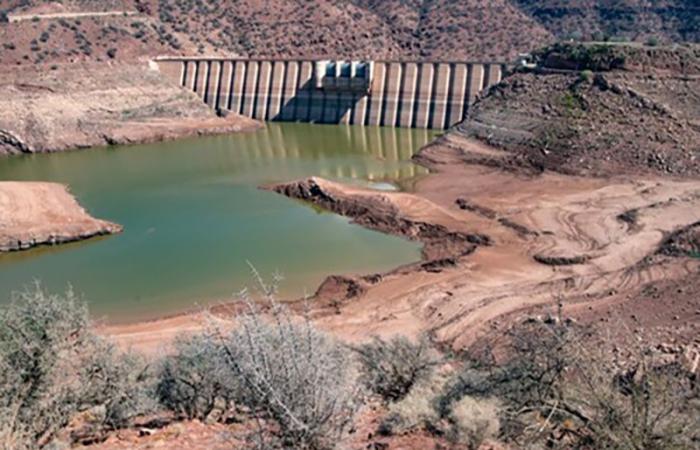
{"points": [[636, 20], [396, 29], [597, 110]]}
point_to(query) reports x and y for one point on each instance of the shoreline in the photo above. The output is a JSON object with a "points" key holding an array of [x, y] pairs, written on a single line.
{"points": [[34, 214], [499, 245]]}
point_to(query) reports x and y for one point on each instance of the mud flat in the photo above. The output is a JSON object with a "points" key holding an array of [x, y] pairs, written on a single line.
{"points": [[33, 214], [499, 247]]}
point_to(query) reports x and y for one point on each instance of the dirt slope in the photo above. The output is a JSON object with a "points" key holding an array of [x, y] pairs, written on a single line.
{"points": [[597, 110], [83, 106]]}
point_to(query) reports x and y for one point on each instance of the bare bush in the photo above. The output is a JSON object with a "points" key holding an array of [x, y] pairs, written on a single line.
{"points": [[119, 387], [195, 382], [52, 367], [298, 382], [416, 410], [555, 391], [391, 368], [475, 420]]}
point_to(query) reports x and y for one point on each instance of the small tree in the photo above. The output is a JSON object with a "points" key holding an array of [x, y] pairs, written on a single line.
{"points": [[52, 367]]}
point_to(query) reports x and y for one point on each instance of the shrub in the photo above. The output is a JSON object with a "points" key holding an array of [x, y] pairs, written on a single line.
{"points": [[554, 390], [118, 386], [40, 389], [112, 53], [475, 420], [586, 76], [417, 409], [652, 41], [52, 367], [291, 374], [195, 382], [391, 368]]}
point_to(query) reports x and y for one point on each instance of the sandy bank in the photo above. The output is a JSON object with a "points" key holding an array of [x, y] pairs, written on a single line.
{"points": [[33, 214]]}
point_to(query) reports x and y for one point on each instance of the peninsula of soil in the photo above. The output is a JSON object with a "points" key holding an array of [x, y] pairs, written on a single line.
{"points": [[35, 213]]}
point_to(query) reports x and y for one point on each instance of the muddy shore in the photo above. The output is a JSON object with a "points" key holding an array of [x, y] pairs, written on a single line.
{"points": [[499, 246], [34, 214]]}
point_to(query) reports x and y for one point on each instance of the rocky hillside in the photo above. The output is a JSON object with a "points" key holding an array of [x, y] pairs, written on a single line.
{"points": [[597, 110], [437, 29], [637, 20]]}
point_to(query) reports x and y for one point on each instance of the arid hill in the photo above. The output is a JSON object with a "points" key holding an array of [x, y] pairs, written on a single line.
{"points": [[597, 110], [405, 29], [636, 20]]}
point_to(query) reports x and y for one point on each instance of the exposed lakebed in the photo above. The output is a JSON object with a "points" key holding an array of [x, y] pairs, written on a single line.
{"points": [[193, 216]]}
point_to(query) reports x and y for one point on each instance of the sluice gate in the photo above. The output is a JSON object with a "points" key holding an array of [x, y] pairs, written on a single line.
{"points": [[432, 95]]}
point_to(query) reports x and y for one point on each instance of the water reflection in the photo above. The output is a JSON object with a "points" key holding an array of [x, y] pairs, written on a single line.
{"points": [[193, 215]]}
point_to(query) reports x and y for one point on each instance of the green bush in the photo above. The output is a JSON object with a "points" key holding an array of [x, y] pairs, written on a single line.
{"points": [[586, 76]]}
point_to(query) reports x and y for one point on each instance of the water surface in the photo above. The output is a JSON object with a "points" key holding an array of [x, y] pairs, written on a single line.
{"points": [[193, 216]]}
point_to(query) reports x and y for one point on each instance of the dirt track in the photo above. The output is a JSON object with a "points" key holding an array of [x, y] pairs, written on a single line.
{"points": [[33, 214]]}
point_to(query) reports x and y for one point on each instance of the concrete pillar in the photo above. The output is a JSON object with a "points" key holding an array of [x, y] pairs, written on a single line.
{"points": [[276, 85], [225, 85], [240, 70], [316, 103], [457, 91], [263, 90], [305, 88], [250, 89], [330, 107], [376, 96], [476, 80], [392, 93], [408, 95], [359, 110], [494, 75], [424, 96], [191, 76], [440, 91], [202, 76], [346, 104], [211, 91], [291, 78]]}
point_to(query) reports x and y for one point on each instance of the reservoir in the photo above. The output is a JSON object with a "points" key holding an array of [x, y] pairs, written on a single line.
{"points": [[194, 216]]}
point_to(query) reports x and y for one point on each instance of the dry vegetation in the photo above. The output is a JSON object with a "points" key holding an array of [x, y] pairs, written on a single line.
{"points": [[295, 387]]}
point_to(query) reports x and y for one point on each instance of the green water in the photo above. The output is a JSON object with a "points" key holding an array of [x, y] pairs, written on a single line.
{"points": [[193, 216]]}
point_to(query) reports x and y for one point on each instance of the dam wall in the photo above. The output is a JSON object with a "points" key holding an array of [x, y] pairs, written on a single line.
{"points": [[431, 95]]}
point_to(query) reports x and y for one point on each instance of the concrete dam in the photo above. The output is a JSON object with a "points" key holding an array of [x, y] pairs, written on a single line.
{"points": [[433, 95]]}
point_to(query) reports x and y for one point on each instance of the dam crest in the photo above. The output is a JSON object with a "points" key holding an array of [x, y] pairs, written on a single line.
{"points": [[430, 95]]}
